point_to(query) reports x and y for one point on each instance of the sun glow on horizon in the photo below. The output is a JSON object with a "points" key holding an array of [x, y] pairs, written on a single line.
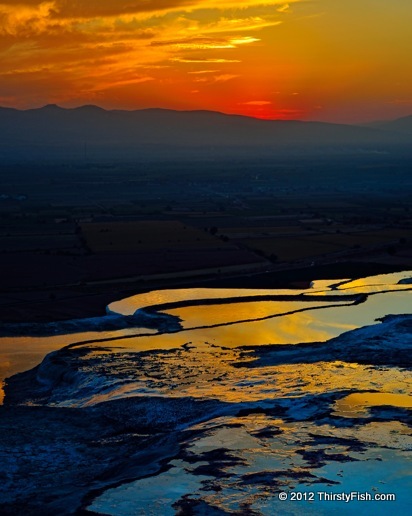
{"points": [[270, 59]]}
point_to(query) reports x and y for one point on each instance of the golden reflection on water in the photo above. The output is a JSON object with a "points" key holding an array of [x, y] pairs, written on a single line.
{"points": [[379, 283], [289, 329], [129, 305], [21, 353], [323, 285], [317, 325], [373, 289], [229, 375], [357, 404], [206, 315], [18, 354]]}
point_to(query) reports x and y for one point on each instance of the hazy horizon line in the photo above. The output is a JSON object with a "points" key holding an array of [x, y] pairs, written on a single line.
{"points": [[238, 115]]}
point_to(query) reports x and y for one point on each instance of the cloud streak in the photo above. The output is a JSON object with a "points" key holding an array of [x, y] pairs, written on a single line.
{"points": [[96, 46], [233, 54], [257, 103], [69, 9]]}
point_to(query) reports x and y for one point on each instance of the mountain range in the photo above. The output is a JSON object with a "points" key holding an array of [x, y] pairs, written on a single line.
{"points": [[58, 132]]}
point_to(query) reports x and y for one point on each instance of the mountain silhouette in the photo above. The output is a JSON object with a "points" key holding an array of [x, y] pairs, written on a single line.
{"points": [[57, 131], [400, 125]]}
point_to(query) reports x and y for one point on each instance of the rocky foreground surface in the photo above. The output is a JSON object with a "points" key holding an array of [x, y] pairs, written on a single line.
{"points": [[205, 429]]}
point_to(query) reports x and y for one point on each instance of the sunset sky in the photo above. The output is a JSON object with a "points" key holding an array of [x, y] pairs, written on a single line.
{"points": [[334, 60]]}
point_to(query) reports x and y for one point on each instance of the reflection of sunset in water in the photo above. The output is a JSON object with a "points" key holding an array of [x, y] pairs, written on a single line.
{"points": [[18, 354], [220, 314], [378, 283], [357, 404], [289, 329], [387, 282], [235, 409], [129, 305], [313, 325], [230, 375], [317, 325]]}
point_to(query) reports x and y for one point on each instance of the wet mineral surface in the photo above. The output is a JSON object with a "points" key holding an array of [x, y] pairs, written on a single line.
{"points": [[225, 401]]}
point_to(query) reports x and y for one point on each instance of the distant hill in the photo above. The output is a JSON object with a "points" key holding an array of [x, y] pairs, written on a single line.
{"points": [[400, 125], [55, 132]]}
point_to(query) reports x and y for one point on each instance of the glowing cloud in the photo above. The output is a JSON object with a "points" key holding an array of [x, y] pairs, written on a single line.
{"points": [[257, 103], [136, 54]]}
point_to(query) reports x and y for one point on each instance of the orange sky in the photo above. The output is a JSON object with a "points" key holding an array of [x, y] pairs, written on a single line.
{"points": [[340, 60]]}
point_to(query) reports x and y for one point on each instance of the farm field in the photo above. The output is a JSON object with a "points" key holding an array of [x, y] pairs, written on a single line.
{"points": [[146, 235], [80, 235]]}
